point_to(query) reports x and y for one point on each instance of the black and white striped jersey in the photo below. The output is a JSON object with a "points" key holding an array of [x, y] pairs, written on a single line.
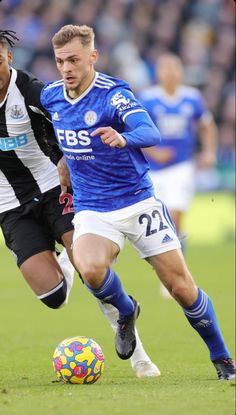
{"points": [[27, 166]]}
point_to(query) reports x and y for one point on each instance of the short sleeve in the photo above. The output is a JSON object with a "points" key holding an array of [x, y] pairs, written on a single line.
{"points": [[201, 112]]}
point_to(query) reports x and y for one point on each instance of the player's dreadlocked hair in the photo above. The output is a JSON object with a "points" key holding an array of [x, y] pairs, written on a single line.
{"points": [[8, 37]]}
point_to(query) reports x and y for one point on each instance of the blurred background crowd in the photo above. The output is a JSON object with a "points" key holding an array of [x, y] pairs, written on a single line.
{"points": [[130, 35]]}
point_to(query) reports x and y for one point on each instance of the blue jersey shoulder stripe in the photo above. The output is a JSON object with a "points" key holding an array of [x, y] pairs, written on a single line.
{"points": [[103, 78], [102, 86], [57, 82], [54, 85], [104, 82]]}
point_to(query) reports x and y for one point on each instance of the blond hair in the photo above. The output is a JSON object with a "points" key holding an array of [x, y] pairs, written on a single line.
{"points": [[69, 32]]}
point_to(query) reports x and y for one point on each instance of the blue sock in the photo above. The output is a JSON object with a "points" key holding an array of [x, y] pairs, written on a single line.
{"points": [[111, 292], [201, 316]]}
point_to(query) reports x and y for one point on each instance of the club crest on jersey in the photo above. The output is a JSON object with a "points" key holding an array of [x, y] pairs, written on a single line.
{"points": [[118, 99], [121, 102], [90, 118], [16, 112]]}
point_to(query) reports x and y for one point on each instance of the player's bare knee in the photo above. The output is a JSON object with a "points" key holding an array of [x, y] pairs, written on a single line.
{"points": [[56, 297], [92, 271], [184, 291], [179, 291], [94, 275]]}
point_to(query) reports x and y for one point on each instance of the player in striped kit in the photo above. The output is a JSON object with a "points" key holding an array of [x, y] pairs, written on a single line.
{"points": [[101, 128], [33, 215]]}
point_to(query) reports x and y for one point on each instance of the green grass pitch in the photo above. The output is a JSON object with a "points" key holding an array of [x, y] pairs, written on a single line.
{"points": [[29, 333]]}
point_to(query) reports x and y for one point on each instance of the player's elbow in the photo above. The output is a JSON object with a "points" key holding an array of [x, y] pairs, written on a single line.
{"points": [[153, 137]]}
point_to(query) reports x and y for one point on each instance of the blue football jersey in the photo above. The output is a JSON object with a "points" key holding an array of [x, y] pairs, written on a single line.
{"points": [[103, 178], [176, 118]]}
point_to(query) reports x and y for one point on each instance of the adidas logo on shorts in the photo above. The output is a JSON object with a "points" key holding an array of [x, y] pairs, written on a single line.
{"points": [[166, 238]]}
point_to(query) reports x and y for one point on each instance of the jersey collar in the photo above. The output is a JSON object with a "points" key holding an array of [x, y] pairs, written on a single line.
{"points": [[172, 99], [74, 101]]}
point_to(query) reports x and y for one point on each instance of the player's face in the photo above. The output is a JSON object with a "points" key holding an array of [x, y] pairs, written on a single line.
{"points": [[75, 63], [5, 61], [170, 71]]}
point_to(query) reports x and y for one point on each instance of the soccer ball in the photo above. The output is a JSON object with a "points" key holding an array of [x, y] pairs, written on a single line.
{"points": [[78, 360]]}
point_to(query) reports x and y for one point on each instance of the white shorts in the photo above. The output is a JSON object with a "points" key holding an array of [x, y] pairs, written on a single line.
{"points": [[175, 185], [146, 224]]}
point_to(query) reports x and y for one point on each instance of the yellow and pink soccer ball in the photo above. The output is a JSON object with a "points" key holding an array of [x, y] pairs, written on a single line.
{"points": [[78, 360]]}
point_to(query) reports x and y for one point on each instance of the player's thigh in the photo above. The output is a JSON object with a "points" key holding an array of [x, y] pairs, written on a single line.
{"points": [[94, 250], [152, 233], [58, 213], [24, 234], [32, 246], [67, 240], [95, 242], [42, 272], [150, 229]]}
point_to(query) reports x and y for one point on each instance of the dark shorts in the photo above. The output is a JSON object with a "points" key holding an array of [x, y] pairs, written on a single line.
{"points": [[35, 226]]}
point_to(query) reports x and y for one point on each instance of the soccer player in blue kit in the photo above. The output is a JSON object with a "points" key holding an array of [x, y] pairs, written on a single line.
{"points": [[101, 128], [181, 115], [33, 214]]}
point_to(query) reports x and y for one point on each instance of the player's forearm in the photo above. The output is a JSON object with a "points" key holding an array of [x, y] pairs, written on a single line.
{"points": [[159, 154], [209, 138], [143, 132], [55, 154], [54, 151], [142, 137]]}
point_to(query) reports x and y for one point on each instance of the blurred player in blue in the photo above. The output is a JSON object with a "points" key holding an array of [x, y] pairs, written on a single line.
{"points": [[180, 113], [101, 128]]}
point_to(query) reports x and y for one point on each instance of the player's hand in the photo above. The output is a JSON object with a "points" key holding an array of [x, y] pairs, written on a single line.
{"points": [[64, 175], [110, 137], [206, 159]]}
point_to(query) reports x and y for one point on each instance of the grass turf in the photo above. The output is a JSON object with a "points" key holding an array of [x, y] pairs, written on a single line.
{"points": [[30, 332]]}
